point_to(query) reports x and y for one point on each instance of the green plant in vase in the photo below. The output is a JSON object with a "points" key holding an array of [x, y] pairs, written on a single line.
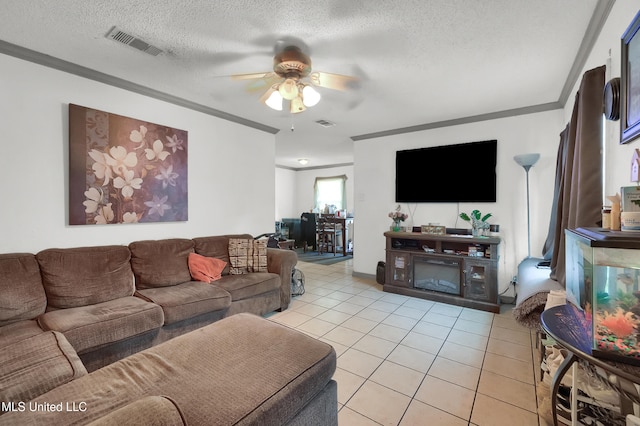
{"points": [[478, 222]]}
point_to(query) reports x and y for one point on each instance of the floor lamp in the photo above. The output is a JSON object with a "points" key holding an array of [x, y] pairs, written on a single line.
{"points": [[527, 161]]}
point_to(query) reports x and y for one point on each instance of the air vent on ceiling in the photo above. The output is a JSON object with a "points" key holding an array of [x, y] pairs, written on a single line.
{"points": [[128, 39], [325, 123]]}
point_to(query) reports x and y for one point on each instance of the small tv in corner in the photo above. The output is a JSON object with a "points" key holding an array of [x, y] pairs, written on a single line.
{"points": [[459, 173]]}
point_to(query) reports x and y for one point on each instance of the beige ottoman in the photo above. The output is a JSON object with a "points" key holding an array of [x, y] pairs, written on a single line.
{"points": [[243, 370]]}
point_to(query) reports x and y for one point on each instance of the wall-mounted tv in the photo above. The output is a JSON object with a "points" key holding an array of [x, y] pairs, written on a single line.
{"points": [[458, 173]]}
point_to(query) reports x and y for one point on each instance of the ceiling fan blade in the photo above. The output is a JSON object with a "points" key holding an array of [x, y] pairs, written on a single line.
{"points": [[260, 81], [334, 81], [265, 95], [278, 42], [267, 80], [251, 76]]}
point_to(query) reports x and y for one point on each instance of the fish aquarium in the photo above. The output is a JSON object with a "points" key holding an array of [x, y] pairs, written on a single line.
{"points": [[602, 278]]}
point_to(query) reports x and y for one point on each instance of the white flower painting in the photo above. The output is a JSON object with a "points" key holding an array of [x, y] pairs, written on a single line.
{"points": [[124, 170]]}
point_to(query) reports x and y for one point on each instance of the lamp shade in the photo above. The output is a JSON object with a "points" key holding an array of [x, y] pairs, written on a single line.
{"points": [[527, 160], [310, 96], [274, 101], [289, 89]]}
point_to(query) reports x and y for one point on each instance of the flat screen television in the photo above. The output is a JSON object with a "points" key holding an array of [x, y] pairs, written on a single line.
{"points": [[447, 174]]}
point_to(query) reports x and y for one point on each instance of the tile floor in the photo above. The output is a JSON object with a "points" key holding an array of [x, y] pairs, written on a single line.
{"points": [[408, 361]]}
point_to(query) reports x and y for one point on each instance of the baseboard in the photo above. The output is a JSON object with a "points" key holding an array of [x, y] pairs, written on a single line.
{"points": [[507, 300], [363, 275]]}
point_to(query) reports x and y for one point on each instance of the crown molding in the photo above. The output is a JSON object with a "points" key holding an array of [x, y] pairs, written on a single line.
{"points": [[598, 19], [71, 68], [301, 169], [463, 120]]}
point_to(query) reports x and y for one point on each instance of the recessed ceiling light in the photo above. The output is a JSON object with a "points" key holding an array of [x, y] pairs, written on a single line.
{"points": [[303, 161]]}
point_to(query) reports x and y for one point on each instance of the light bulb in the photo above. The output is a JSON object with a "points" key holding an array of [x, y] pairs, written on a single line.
{"points": [[303, 161], [274, 101], [289, 89], [310, 96]]}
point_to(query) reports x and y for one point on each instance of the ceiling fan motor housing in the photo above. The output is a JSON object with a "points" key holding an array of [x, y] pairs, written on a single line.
{"points": [[291, 62]]}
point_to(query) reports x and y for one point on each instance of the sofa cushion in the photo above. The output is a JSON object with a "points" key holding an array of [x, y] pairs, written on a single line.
{"points": [[34, 366], [205, 269], [248, 285], [17, 331], [247, 255], [242, 370], [217, 246], [151, 410], [82, 276], [22, 295], [89, 327], [187, 300], [161, 263]]}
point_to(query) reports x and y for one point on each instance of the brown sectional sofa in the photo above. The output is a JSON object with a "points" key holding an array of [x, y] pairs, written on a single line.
{"points": [[113, 301], [67, 312]]}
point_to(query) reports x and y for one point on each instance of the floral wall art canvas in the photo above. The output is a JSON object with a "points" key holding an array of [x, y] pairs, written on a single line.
{"points": [[123, 170]]}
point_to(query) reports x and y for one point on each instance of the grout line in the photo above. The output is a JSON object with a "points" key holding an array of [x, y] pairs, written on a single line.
{"points": [[359, 287]]}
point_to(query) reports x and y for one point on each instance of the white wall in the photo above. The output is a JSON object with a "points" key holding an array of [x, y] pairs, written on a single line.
{"points": [[375, 179], [286, 194], [516, 135], [618, 157], [229, 192]]}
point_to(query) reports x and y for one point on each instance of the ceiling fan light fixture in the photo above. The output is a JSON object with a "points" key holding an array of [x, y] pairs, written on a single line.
{"points": [[274, 101], [289, 89], [297, 105], [310, 96]]}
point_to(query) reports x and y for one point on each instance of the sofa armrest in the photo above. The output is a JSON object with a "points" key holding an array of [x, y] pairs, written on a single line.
{"points": [[281, 262]]}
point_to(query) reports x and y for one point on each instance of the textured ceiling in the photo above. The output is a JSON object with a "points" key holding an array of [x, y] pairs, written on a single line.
{"points": [[420, 61]]}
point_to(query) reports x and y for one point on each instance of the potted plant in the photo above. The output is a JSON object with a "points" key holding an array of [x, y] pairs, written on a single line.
{"points": [[478, 222]]}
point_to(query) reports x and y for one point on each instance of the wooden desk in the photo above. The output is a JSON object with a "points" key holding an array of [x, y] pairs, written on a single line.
{"points": [[568, 327]]}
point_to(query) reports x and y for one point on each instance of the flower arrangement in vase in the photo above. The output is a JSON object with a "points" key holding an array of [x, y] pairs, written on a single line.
{"points": [[479, 223], [398, 216]]}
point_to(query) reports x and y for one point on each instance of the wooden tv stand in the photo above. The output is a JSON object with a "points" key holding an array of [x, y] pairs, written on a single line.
{"points": [[444, 271]]}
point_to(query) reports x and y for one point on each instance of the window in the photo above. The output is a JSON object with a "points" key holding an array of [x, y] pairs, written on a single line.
{"points": [[330, 191]]}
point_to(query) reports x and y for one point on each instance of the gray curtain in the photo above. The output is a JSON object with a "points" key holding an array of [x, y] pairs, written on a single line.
{"points": [[548, 248], [579, 201]]}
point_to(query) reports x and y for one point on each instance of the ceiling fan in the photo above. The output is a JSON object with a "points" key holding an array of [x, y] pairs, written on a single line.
{"points": [[292, 80]]}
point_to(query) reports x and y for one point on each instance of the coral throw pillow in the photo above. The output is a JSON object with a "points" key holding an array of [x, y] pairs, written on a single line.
{"points": [[205, 269]]}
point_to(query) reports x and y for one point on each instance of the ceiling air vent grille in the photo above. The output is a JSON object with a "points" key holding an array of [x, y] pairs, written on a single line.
{"points": [[135, 42], [325, 123]]}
